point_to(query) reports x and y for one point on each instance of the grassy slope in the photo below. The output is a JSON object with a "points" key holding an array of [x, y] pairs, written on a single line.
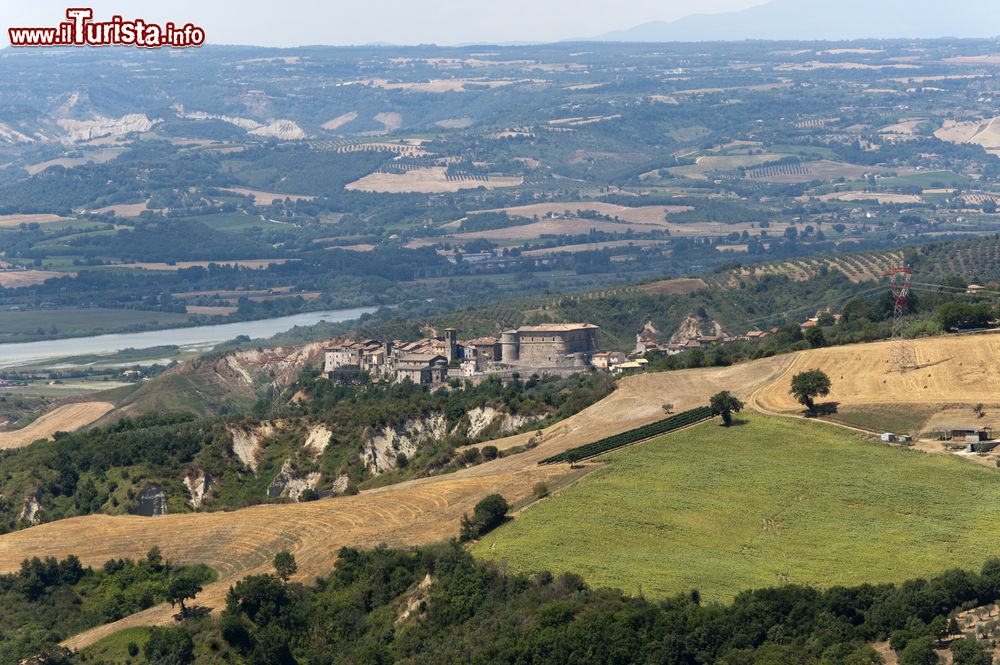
{"points": [[772, 501]]}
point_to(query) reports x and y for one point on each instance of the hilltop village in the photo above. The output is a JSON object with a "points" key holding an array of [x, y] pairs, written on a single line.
{"points": [[551, 349]]}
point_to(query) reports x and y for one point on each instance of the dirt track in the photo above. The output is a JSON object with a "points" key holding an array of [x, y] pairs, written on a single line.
{"points": [[413, 513], [63, 419]]}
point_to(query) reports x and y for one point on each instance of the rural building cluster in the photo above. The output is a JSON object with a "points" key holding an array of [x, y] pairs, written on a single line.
{"points": [[558, 348]]}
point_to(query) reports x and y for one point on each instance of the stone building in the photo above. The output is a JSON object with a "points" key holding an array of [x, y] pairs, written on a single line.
{"points": [[558, 346], [421, 368]]}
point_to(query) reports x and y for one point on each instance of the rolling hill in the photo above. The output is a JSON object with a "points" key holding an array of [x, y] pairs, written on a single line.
{"points": [[772, 501]]}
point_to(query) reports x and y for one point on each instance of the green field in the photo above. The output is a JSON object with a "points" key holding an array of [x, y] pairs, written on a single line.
{"points": [[927, 180], [42, 323], [768, 502]]}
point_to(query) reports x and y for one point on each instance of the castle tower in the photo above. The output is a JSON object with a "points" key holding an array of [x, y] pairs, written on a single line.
{"points": [[509, 352], [451, 337]]}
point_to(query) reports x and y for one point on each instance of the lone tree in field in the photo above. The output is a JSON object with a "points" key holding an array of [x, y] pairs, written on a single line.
{"points": [[284, 565], [725, 405], [808, 385], [486, 516], [183, 587]]}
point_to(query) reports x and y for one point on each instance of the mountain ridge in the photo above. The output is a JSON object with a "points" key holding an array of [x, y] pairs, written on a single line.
{"points": [[821, 20]]}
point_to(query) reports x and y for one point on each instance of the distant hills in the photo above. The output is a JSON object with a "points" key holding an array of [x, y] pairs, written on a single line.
{"points": [[833, 20]]}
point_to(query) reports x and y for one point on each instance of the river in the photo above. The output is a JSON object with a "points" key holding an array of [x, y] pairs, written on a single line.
{"points": [[24, 352]]}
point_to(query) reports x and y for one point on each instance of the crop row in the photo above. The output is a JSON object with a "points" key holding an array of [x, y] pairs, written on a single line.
{"points": [[658, 428]]}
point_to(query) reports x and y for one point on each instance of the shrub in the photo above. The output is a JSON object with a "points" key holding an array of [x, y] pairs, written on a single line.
{"points": [[541, 490], [284, 565], [486, 516], [169, 646]]}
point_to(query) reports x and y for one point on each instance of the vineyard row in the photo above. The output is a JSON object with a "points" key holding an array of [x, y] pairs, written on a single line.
{"points": [[649, 431]]}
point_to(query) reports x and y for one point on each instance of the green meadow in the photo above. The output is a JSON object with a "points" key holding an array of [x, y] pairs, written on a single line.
{"points": [[768, 502]]}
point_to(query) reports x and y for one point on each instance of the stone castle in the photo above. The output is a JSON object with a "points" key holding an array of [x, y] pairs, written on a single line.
{"points": [[558, 348]]}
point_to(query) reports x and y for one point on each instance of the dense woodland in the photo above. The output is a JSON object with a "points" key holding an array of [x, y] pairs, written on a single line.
{"points": [[439, 605], [48, 600]]}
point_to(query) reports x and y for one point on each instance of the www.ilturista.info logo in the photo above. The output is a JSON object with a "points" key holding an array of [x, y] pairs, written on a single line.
{"points": [[82, 30]]}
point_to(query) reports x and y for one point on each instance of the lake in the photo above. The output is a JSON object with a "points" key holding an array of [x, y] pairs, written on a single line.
{"points": [[25, 352]]}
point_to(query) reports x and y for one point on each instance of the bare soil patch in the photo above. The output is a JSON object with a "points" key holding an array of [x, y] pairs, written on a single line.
{"points": [[207, 310], [672, 286], [266, 198], [123, 209]]}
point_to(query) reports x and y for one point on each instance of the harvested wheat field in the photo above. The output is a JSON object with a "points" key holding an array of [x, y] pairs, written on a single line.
{"points": [[66, 418], [412, 513], [879, 197], [253, 264], [591, 246], [211, 310], [430, 180], [573, 226], [953, 370], [985, 133], [446, 85], [340, 120], [15, 279], [582, 225], [266, 198], [639, 215]]}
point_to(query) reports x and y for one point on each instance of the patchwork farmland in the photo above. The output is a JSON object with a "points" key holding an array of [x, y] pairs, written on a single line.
{"points": [[428, 509]]}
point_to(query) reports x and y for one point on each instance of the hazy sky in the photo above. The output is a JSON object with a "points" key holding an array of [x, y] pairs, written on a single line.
{"points": [[297, 22]]}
